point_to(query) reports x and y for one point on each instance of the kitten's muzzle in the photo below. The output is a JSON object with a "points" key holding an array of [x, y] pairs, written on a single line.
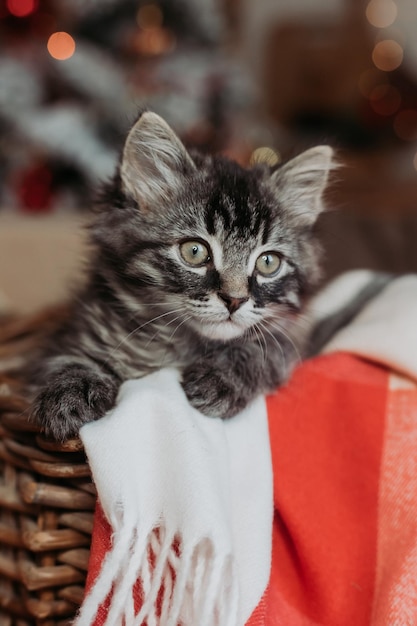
{"points": [[232, 303]]}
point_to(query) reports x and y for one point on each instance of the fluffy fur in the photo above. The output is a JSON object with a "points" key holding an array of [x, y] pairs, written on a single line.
{"points": [[199, 264]]}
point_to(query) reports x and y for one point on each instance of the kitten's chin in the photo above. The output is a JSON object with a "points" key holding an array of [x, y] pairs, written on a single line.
{"points": [[221, 331]]}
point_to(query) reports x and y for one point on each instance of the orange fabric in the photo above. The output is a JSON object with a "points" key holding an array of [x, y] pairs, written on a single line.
{"points": [[344, 452], [326, 432], [395, 598]]}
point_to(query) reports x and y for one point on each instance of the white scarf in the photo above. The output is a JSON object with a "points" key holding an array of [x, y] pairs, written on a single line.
{"points": [[167, 474]]}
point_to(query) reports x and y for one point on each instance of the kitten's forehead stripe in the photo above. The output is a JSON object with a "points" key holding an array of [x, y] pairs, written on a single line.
{"points": [[235, 202], [266, 226]]}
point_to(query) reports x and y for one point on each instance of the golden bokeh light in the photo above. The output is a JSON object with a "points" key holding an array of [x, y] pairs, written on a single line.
{"points": [[387, 55], [405, 125], [154, 41], [381, 13], [149, 16], [385, 99], [265, 155], [61, 46]]}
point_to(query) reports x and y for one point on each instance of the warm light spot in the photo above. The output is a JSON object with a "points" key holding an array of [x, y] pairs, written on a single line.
{"points": [[387, 55], [385, 99], [154, 41], [265, 155], [415, 161], [22, 8], [61, 46], [149, 16], [381, 13], [405, 125]]}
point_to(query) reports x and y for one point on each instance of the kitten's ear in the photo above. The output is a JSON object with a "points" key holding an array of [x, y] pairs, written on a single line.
{"points": [[154, 161], [300, 183]]}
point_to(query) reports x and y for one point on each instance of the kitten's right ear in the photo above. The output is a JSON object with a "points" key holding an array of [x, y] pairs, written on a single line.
{"points": [[154, 161], [301, 182]]}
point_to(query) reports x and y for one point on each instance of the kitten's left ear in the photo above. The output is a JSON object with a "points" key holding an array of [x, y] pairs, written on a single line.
{"points": [[154, 161], [300, 183]]}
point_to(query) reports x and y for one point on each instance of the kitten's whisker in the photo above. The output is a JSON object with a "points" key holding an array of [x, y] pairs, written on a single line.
{"points": [[265, 343], [278, 328], [159, 330], [159, 303], [263, 327], [184, 321], [257, 333], [143, 304], [262, 336], [303, 320], [137, 329]]}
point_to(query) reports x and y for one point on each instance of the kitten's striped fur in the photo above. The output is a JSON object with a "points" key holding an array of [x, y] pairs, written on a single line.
{"points": [[226, 324]]}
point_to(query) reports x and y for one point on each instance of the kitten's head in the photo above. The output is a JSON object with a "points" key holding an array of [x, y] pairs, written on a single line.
{"points": [[226, 248]]}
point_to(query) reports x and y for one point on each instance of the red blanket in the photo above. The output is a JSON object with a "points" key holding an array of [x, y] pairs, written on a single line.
{"points": [[343, 437]]}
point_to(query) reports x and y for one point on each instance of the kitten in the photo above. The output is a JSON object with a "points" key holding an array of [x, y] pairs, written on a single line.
{"points": [[200, 265]]}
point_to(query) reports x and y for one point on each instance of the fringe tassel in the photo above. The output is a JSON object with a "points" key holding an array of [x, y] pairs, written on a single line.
{"points": [[179, 584]]}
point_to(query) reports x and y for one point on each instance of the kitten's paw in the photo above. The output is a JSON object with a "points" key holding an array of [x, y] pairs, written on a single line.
{"points": [[213, 393], [73, 397]]}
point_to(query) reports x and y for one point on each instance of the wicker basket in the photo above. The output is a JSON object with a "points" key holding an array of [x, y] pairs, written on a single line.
{"points": [[46, 501]]}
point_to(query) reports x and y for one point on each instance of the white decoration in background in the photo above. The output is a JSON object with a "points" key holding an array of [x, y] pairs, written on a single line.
{"points": [[97, 75], [20, 88], [208, 14], [65, 131]]}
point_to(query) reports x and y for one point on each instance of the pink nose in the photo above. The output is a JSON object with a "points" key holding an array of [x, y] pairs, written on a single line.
{"points": [[233, 304]]}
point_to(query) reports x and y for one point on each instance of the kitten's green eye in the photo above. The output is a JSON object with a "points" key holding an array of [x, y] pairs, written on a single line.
{"points": [[268, 263], [195, 253]]}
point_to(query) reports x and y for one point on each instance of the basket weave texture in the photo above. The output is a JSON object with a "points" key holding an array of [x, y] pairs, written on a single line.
{"points": [[47, 499]]}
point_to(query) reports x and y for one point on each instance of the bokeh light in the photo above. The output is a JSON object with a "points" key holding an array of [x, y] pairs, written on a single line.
{"points": [[387, 55], [61, 46], [385, 99], [405, 125], [150, 16], [381, 13], [21, 8], [265, 155], [154, 41]]}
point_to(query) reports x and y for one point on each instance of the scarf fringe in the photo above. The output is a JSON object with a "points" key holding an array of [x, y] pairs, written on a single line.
{"points": [[177, 583]]}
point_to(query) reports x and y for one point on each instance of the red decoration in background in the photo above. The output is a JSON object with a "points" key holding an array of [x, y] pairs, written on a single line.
{"points": [[22, 8], [35, 192]]}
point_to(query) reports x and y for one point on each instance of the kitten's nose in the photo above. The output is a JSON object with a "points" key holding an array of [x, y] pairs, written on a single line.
{"points": [[233, 304]]}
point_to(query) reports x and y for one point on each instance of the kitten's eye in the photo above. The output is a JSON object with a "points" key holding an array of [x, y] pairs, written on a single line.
{"points": [[195, 253], [268, 263]]}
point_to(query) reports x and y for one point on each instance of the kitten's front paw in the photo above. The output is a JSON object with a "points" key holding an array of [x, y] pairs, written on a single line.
{"points": [[73, 397], [216, 393]]}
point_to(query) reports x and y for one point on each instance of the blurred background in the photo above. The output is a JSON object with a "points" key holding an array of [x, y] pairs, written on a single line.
{"points": [[236, 76]]}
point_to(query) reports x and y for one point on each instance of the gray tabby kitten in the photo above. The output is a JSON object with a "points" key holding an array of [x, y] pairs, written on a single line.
{"points": [[200, 265]]}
